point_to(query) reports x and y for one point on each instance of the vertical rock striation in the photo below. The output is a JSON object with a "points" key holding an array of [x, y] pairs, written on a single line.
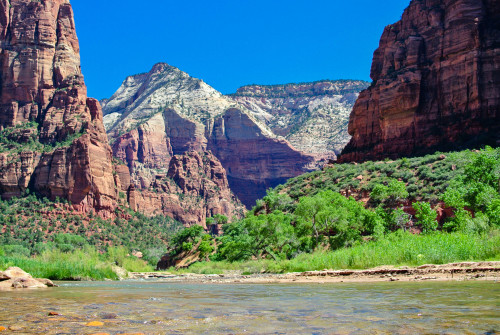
{"points": [[52, 137], [435, 83]]}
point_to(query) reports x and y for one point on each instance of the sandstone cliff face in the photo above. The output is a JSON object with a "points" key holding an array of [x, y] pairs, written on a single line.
{"points": [[254, 162], [163, 113], [52, 138], [194, 188], [313, 117], [435, 82]]}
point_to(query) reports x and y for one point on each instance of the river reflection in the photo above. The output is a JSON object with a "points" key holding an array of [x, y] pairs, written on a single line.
{"points": [[173, 308]]}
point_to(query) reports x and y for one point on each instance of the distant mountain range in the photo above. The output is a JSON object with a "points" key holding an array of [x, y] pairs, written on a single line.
{"points": [[261, 135]]}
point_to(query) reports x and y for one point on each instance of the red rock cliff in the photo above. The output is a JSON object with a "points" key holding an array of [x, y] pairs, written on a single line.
{"points": [[436, 83], [194, 189], [52, 138]]}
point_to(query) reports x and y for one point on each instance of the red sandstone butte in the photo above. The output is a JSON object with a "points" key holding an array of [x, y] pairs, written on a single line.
{"points": [[436, 83], [43, 100]]}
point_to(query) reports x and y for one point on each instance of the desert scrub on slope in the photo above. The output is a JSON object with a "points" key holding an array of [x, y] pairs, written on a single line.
{"points": [[33, 224], [284, 228]]}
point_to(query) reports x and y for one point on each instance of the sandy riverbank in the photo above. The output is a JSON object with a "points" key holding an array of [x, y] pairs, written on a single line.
{"points": [[446, 272]]}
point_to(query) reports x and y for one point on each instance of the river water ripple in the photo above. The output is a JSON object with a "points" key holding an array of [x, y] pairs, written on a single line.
{"points": [[173, 308]]}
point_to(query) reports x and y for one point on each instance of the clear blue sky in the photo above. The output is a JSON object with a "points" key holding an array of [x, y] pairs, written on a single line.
{"points": [[230, 43]]}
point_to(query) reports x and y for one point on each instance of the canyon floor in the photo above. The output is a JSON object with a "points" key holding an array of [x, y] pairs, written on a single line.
{"points": [[446, 272]]}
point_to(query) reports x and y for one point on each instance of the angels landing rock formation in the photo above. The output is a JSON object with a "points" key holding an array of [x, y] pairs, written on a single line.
{"points": [[52, 138], [436, 83]]}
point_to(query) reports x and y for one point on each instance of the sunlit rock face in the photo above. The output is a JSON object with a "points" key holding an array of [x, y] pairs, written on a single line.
{"points": [[259, 141], [435, 83], [313, 117], [53, 138]]}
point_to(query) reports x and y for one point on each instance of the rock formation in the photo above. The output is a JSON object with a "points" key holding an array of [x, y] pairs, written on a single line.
{"points": [[435, 83], [52, 138], [313, 117], [156, 116], [14, 278], [254, 160], [194, 188], [165, 112]]}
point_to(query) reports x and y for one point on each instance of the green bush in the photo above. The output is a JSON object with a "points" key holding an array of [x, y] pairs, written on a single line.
{"points": [[187, 246], [205, 248], [16, 250], [426, 216], [389, 195]]}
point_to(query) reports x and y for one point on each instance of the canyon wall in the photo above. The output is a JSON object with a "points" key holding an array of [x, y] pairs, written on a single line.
{"points": [[165, 113], [261, 136], [435, 83], [52, 138], [313, 117]]}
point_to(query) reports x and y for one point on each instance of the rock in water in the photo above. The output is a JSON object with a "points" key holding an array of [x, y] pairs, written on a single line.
{"points": [[57, 143], [15, 277], [436, 83]]}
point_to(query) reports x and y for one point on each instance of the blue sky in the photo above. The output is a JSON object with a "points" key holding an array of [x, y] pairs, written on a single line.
{"points": [[230, 43]]}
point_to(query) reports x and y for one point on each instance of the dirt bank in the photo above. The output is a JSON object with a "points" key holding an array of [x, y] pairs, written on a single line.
{"points": [[446, 272]]}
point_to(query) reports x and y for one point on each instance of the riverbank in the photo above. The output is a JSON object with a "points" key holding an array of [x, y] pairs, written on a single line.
{"points": [[446, 272]]}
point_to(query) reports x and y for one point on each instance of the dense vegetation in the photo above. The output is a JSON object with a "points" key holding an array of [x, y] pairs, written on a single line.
{"points": [[32, 227], [70, 257], [307, 220]]}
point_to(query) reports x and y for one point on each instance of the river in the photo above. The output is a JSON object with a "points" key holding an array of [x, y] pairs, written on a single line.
{"points": [[153, 307]]}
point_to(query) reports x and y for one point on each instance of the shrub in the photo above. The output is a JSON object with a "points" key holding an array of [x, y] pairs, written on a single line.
{"points": [[389, 195], [187, 246], [426, 216], [16, 250], [205, 248]]}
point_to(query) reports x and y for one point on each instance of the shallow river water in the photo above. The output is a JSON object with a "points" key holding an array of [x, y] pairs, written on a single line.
{"points": [[173, 308]]}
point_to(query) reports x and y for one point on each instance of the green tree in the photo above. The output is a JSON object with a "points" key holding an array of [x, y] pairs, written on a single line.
{"points": [[309, 208], [426, 216]]}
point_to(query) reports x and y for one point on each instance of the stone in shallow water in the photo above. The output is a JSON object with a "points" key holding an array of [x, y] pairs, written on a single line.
{"points": [[46, 282], [27, 283], [2, 329], [108, 316], [15, 328], [95, 324]]}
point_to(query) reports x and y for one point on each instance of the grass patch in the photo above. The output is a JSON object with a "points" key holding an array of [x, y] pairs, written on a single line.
{"points": [[81, 264], [398, 249]]}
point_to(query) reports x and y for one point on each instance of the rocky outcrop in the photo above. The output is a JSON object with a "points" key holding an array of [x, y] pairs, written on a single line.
{"points": [[194, 188], [52, 138], [14, 277], [163, 113], [313, 117], [435, 83]]}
